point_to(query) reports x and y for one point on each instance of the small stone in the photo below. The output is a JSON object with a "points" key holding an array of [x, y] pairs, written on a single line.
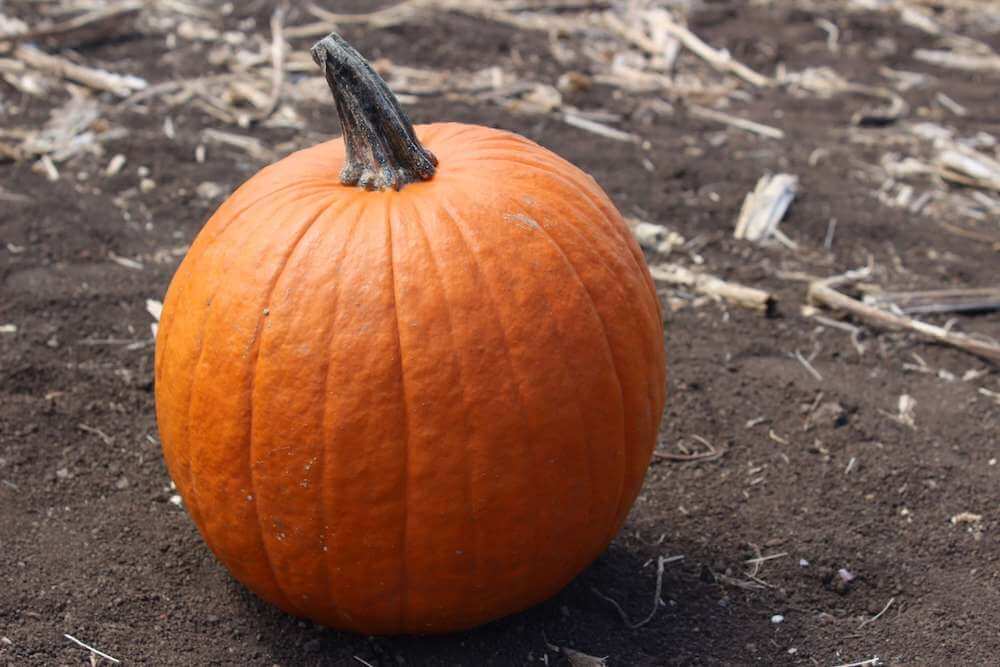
{"points": [[52, 342], [142, 171], [571, 82], [777, 618], [803, 562], [657, 237], [649, 235], [147, 185], [176, 500], [122, 483], [115, 165], [841, 582], [62, 473], [209, 190], [831, 413]]}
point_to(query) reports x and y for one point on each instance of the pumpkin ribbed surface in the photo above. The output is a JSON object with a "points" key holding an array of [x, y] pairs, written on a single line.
{"points": [[413, 410]]}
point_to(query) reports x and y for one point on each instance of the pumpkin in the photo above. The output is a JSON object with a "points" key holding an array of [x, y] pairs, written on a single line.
{"points": [[410, 380]]}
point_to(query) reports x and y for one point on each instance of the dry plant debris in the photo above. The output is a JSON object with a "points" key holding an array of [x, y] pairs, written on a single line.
{"points": [[824, 292], [101, 655], [661, 562], [98, 79], [741, 295], [764, 208], [577, 658], [937, 301], [260, 86]]}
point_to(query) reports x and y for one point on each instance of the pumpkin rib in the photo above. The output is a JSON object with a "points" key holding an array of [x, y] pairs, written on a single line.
{"points": [[607, 343], [655, 313], [467, 486], [564, 171], [195, 256], [612, 357], [610, 234], [405, 491], [556, 170], [601, 201], [363, 289], [450, 132], [291, 300], [624, 501], [192, 501], [560, 168], [504, 137], [195, 253], [492, 306], [229, 249], [324, 429], [579, 437], [214, 235], [254, 358], [653, 402]]}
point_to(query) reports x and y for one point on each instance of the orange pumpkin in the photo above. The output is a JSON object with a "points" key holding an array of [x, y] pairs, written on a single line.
{"points": [[420, 406]]}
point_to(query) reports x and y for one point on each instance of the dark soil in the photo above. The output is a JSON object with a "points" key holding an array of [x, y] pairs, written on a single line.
{"points": [[90, 544]]}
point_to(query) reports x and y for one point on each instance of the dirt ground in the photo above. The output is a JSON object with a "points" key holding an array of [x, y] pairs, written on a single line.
{"points": [[852, 510]]}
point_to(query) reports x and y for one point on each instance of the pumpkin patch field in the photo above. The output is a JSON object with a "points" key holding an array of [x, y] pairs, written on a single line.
{"points": [[497, 332]]}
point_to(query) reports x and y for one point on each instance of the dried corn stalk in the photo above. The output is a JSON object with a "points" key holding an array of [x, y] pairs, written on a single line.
{"points": [[764, 208]]}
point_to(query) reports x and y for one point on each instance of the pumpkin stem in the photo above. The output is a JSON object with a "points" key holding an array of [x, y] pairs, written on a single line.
{"points": [[382, 150]]}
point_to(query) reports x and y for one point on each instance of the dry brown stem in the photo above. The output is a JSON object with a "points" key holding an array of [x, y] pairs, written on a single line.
{"points": [[250, 145], [961, 164], [98, 79], [940, 301], [277, 62], [660, 563], [964, 61], [741, 295], [823, 293], [719, 59], [102, 20], [734, 121]]}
